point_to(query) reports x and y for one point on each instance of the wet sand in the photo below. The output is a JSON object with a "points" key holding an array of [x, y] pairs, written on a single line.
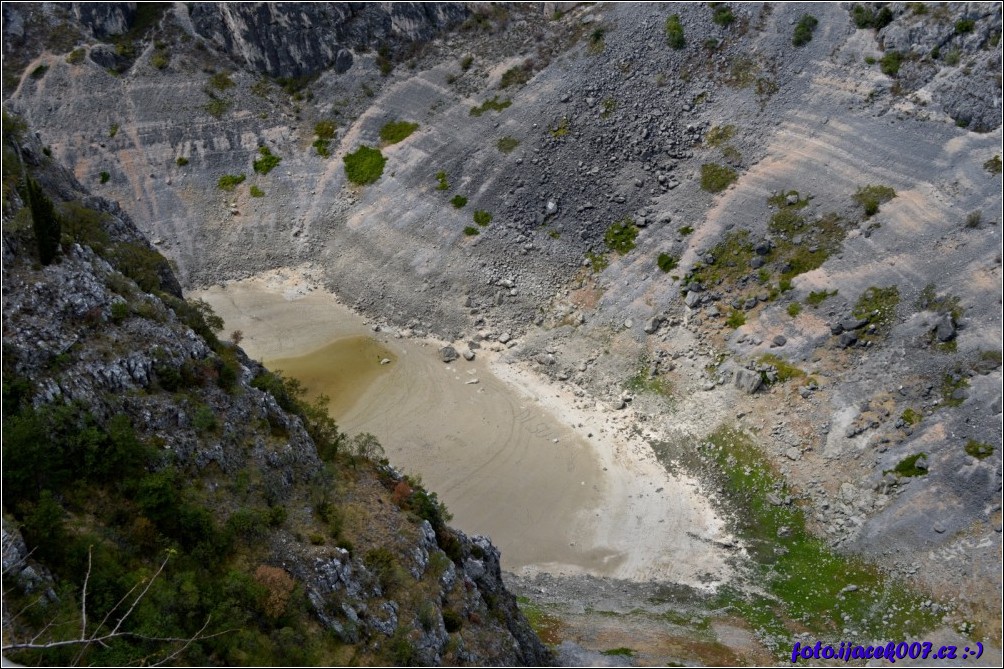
{"points": [[500, 446]]}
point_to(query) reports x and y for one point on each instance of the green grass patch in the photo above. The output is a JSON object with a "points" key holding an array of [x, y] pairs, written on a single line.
{"points": [[325, 129], [890, 63], [620, 236], [181, 161], [718, 135], [76, 57], [911, 417], [482, 217], [621, 651], [563, 128], [516, 76], [787, 222], [964, 26], [979, 449], [229, 182], [780, 200], [667, 263], [597, 261], [217, 107], [804, 29], [458, 201], [994, 165], [674, 32], [929, 300], [493, 104], [266, 161], [364, 165], [817, 297], [785, 370], [731, 260], [643, 382], [794, 309], [716, 178], [470, 231], [907, 467], [950, 384], [685, 230], [221, 81], [397, 131], [443, 184], [723, 16], [805, 585], [104, 176], [878, 306], [507, 144], [597, 43], [256, 192], [547, 626], [736, 319], [323, 147]]}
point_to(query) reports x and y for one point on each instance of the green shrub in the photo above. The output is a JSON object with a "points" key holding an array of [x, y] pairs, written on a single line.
{"points": [[736, 319], [870, 197], [716, 178], [323, 147], [597, 261], [160, 59], [229, 182], [890, 63], [911, 417], [217, 107], [470, 231], [452, 621], [491, 105], [877, 305], [364, 165], [562, 129], [674, 32], [596, 42], [994, 165], [979, 449], [76, 57], [397, 131], [113, 130], [865, 16], [817, 297], [803, 30], [685, 230], [39, 72], [325, 129], [45, 223], [267, 162], [507, 144], [482, 217], [964, 26], [458, 201], [667, 263], [620, 236], [256, 192], [516, 76], [443, 183], [221, 81], [181, 161], [723, 16], [466, 62], [794, 309], [718, 135], [104, 176]]}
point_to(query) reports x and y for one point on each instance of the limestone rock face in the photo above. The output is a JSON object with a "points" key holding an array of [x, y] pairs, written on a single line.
{"points": [[315, 36]]}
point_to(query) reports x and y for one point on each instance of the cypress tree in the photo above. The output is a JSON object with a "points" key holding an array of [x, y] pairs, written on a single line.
{"points": [[44, 222]]}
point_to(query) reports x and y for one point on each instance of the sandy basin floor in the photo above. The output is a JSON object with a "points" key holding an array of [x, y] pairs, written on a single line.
{"points": [[506, 454]]}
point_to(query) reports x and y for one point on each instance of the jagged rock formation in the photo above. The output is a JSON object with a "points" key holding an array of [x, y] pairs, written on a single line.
{"points": [[106, 370]]}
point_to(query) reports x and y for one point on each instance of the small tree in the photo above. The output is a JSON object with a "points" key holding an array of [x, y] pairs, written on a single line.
{"points": [[44, 222]]}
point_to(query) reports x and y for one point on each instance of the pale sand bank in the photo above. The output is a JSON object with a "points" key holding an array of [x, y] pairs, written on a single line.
{"points": [[575, 505]]}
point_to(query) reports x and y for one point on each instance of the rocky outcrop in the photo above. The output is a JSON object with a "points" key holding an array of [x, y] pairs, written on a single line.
{"points": [[295, 40]]}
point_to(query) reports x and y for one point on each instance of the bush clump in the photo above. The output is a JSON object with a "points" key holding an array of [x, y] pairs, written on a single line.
{"points": [[804, 29], [470, 231], [994, 165], [267, 162], [716, 178], [877, 305], [482, 217], [870, 197], [620, 236], [674, 32], [667, 263], [458, 201], [397, 131], [507, 144], [443, 184], [723, 16], [364, 165], [865, 16], [516, 76], [229, 182], [979, 449]]}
